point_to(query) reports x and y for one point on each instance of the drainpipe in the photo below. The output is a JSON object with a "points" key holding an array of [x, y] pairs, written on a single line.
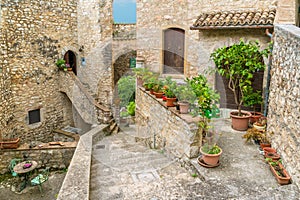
{"points": [[266, 103]]}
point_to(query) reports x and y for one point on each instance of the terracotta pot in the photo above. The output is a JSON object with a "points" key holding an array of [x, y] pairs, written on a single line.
{"points": [[263, 145], [69, 68], [12, 143], [240, 123], [211, 159], [183, 107], [151, 91], [254, 117], [170, 102], [274, 156], [281, 180], [158, 94], [269, 150]]}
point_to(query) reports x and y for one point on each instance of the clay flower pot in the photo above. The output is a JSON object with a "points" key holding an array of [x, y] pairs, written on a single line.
{"points": [[263, 145], [285, 178], [255, 116], [211, 159], [269, 150], [240, 123], [158, 95], [170, 102], [183, 107], [274, 156]]}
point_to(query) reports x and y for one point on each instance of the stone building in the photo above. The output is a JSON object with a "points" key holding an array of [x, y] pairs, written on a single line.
{"points": [[37, 98]]}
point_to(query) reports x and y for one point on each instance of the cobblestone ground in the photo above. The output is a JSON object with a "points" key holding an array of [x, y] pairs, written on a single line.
{"points": [[124, 169]]}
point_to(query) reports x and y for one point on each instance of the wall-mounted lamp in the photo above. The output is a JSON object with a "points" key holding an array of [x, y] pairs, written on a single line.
{"points": [[83, 63], [81, 49]]}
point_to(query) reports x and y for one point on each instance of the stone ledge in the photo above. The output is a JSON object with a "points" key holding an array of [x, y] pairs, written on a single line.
{"points": [[76, 184]]}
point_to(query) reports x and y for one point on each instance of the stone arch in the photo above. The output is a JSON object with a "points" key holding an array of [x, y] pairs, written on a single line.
{"points": [[121, 64], [75, 51]]}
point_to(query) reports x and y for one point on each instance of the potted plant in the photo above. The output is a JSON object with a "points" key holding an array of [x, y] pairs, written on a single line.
{"points": [[158, 88], [141, 75], [279, 171], [210, 151], [252, 100], [260, 124], [185, 96], [169, 91], [61, 64], [238, 64], [258, 137], [149, 83]]}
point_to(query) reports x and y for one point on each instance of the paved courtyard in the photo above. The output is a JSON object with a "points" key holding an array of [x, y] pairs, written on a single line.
{"points": [[124, 169]]}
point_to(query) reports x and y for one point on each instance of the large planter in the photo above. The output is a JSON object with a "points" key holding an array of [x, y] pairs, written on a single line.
{"points": [[282, 180], [255, 116], [12, 143], [211, 159], [240, 123], [170, 102], [183, 107]]}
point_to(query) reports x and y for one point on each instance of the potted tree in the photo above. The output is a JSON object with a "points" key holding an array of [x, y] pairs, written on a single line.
{"points": [[158, 88], [169, 91], [238, 64]]}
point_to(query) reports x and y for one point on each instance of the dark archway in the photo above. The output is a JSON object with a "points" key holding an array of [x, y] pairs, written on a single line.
{"points": [[70, 59], [122, 65], [173, 51]]}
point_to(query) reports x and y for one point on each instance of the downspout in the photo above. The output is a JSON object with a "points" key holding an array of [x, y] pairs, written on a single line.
{"points": [[266, 101]]}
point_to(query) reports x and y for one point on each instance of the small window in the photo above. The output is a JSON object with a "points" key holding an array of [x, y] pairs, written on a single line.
{"points": [[34, 116]]}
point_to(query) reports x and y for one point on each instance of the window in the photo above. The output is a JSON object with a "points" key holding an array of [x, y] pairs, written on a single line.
{"points": [[34, 116]]}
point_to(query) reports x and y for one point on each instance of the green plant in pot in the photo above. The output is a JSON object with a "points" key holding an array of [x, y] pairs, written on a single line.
{"points": [[61, 64], [141, 75], [252, 99], [207, 99], [238, 63], [158, 88], [169, 91], [150, 82], [185, 96]]}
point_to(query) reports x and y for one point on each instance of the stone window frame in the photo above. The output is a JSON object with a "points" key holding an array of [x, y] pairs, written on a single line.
{"points": [[185, 70], [37, 124]]}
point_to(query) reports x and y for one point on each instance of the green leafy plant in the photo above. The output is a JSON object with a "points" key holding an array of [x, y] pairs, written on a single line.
{"points": [[61, 64], [158, 86], [238, 64], [131, 108], [252, 99], [169, 87], [185, 93], [126, 90], [206, 96], [150, 82]]}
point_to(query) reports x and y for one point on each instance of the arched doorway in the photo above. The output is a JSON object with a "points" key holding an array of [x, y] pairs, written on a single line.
{"points": [[173, 51], [70, 59]]}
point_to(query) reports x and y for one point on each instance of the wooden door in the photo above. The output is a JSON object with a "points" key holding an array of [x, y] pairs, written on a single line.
{"points": [[173, 51]]}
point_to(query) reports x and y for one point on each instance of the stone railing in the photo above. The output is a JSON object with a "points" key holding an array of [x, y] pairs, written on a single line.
{"points": [[88, 108], [124, 31], [284, 97], [164, 128], [76, 184]]}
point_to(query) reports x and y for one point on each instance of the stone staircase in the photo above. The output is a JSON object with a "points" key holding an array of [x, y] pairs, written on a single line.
{"points": [[120, 163]]}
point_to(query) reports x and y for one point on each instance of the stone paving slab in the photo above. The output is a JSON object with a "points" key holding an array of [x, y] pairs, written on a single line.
{"points": [[124, 169]]}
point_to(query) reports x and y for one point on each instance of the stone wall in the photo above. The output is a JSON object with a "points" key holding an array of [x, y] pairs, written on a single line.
{"points": [[124, 31], [155, 16], [55, 158], [33, 33], [284, 99], [95, 34], [164, 128]]}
